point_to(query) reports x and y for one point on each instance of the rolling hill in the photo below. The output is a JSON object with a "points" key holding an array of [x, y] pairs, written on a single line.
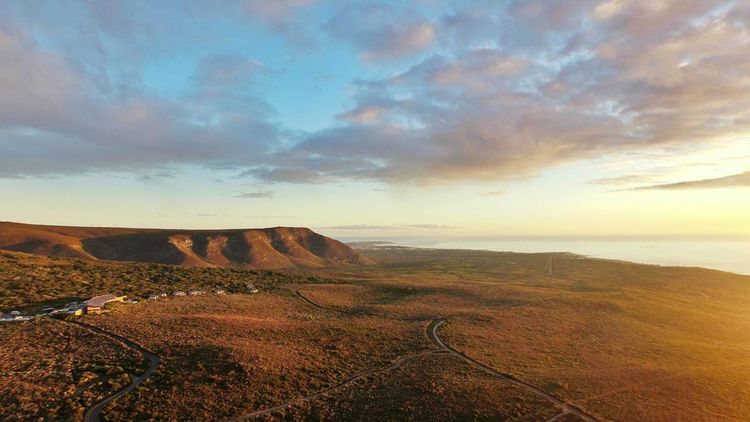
{"points": [[270, 248]]}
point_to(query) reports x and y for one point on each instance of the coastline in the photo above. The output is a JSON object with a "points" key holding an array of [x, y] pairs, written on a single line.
{"points": [[722, 254]]}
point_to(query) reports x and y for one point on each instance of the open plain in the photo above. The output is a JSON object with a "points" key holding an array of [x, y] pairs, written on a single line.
{"points": [[422, 335]]}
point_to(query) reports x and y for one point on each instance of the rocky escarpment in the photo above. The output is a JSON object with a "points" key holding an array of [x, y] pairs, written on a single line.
{"points": [[271, 248]]}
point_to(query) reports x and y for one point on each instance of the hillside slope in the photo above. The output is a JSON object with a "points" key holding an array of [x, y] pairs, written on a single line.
{"points": [[271, 248]]}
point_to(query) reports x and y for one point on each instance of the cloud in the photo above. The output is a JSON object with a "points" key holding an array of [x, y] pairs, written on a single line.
{"points": [[479, 90], [154, 177], [623, 180], [608, 9], [112, 16], [474, 69], [280, 16], [255, 195], [741, 180], [387, 227], [576, 87], [359, 227], [54, 119], [427, 226], [223, 70], [381, 32], [363, 115], [274, 11]]}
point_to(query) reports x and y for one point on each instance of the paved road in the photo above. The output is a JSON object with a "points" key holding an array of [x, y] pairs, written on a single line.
{"points": [[93, 412], [566, 408]]}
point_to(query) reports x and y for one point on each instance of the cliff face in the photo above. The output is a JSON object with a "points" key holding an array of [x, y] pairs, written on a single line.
{"points": [[271, 248]]}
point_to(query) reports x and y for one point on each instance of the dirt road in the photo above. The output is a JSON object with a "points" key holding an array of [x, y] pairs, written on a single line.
{"points": [[317, 305], [395, 365], [550, 264], [442, 348], [566, 408], [93, 412]]}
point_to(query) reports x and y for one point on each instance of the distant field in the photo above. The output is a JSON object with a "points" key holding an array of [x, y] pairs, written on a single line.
{"points": [[618, 341]]}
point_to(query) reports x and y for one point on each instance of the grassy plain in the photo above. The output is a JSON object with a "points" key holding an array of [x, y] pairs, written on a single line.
{"points": [[617, 340]]}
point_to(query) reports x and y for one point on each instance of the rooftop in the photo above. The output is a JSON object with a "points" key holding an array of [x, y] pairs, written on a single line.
{"points": [[99, 301]]}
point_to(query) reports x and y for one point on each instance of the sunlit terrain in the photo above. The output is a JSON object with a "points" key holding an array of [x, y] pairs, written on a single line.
{"points": [[375, 210], [615, 341]]}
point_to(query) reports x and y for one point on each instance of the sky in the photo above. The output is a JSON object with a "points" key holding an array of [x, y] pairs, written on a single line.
{"points": [[379, 118]]}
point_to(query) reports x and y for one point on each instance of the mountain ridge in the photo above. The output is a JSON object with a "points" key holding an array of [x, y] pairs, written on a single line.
{"points": [[262, 248]]}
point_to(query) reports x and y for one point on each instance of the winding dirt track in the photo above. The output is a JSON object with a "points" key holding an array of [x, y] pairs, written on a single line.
{"points": [[395, 365], [93, 412], [317, 305], [566, 408], [442, 348]]}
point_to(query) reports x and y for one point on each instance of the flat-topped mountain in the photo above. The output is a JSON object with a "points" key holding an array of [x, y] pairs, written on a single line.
{"points": [[271, 248]]}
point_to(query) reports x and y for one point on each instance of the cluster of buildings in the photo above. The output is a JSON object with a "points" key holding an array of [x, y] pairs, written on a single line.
{"points": [[98, 304], [14, 316], [93, 306], [180, 293]]}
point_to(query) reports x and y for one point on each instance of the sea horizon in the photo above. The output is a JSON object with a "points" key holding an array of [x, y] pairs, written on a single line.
{"points": [[723, 253]]}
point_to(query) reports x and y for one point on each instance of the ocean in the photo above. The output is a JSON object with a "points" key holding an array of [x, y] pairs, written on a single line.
{"points": [[731, 254]]}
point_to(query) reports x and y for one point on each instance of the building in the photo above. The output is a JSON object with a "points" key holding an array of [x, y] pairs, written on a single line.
{"points": [[178, 293], [64, 311], [96, 304], [251, 288], [196, 292], [220, 291], [14, 317], [75, 311]]}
